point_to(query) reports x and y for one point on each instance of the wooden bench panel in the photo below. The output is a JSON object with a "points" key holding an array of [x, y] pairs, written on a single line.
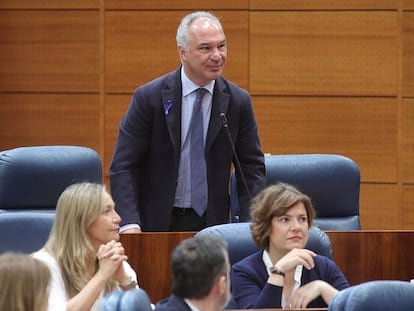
{"points": [[407, 211], [330, 53], [379, 207], [138, 48], [50, 119], [49, 51], [149, 254], [374, 255], [408, 53], [115, 107], [407, 141], [364, 129], [408, 4], [361, 255], [322, 4], [49, 4], [190, 5]]}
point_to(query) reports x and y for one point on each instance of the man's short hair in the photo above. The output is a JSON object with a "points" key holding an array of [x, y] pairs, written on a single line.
{"points": [[196, 263]]}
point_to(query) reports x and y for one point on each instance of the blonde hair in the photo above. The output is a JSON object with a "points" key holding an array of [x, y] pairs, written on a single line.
{"points": [[275, 200], [24, 283], [69, 243]]}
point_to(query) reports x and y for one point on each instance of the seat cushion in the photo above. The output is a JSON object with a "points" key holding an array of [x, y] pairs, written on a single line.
{"points": [[381, 295]]}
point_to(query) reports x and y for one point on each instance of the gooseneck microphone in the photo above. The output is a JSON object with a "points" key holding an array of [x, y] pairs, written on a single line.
{"points": [[225, 124]]}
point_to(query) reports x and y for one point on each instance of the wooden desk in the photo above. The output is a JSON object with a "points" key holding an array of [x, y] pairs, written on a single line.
{"points": [[149, 254], [361, 255], [374, 255]]}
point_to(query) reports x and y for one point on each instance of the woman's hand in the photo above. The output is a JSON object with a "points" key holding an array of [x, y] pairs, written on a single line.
{"points": [[121, 276], [297, 256], [302, 296], [110, 256]]}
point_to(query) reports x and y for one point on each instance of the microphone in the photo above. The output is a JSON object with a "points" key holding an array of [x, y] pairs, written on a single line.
{"points": [[225, 124]]}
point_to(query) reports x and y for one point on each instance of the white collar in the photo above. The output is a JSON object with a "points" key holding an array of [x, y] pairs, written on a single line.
{"points": [[192, 307], [297, 276], [189, 86]]}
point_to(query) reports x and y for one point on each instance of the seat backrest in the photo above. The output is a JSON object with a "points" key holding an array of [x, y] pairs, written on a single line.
{"points": [[240, 243], [32, 178], [24, 232], [131, 300], [384, 295], [331, 181]]}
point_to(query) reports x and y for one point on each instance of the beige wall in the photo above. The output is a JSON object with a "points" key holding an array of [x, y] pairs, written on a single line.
{"points": [[325, 77]]}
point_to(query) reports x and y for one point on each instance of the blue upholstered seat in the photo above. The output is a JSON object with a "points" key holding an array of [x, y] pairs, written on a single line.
{"points": [[331, 181], [32, 178], [381, 295], [31, 181], [23, 231], [131, 300], [240, 242]]}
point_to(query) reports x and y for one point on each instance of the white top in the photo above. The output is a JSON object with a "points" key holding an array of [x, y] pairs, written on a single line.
{"points": [[192, 307], [57, 292], [297, 276]]}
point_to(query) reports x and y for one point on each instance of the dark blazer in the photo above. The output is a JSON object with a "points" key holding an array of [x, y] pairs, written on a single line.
{"points": [[172, 303], [250, 289], [144, 168]]}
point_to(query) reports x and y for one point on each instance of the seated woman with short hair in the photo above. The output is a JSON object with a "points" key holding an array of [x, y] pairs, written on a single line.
{"points": [[284, 274]]}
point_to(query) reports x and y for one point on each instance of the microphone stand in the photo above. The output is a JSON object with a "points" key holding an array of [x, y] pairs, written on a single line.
{"points": [[225, 124]]}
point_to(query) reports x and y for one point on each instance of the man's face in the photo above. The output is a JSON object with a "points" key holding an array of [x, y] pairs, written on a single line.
{"points": [[207, 52]]}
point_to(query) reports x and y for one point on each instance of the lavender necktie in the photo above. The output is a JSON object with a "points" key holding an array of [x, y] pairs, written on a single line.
{"points": [[197, 158]]}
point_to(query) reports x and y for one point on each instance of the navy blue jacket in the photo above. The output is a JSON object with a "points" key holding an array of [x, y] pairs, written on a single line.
{"points": [[172, 303], [250, 288]]}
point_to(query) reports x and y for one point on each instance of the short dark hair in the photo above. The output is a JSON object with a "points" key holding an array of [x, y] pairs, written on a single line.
{"points": [[274, 201], [196, 263]]}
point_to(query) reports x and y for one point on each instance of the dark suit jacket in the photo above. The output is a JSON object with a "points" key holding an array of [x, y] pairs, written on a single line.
{"points": [[172, 303], [144, 168]]}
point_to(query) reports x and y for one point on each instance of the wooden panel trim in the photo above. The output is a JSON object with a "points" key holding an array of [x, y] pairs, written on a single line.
{"points": [[361, 255]]}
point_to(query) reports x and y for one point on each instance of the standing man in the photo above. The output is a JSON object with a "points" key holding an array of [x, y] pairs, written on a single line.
{"points": [[171, 165], [200, 276]]}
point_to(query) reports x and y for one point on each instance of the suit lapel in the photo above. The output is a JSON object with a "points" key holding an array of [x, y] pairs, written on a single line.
{"points": [[171, 99], [221, 100]]}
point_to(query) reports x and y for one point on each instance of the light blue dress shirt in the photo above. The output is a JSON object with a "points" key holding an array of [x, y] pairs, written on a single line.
{"points": [[183, 191]]}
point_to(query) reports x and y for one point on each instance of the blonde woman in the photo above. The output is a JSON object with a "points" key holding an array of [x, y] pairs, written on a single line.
{"points": [[83, 253], [23, 282]]}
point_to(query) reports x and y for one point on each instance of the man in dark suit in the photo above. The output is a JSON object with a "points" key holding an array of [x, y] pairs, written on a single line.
{"points": [[200, 272], [151, 169]]}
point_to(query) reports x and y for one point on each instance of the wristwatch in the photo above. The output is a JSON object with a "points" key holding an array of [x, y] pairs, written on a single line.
{"points": [[131, 285], [275, 270]]}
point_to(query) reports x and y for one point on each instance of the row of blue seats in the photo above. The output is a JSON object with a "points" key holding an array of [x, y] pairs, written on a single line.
{"points": [[369, 296], [32, 178]]}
